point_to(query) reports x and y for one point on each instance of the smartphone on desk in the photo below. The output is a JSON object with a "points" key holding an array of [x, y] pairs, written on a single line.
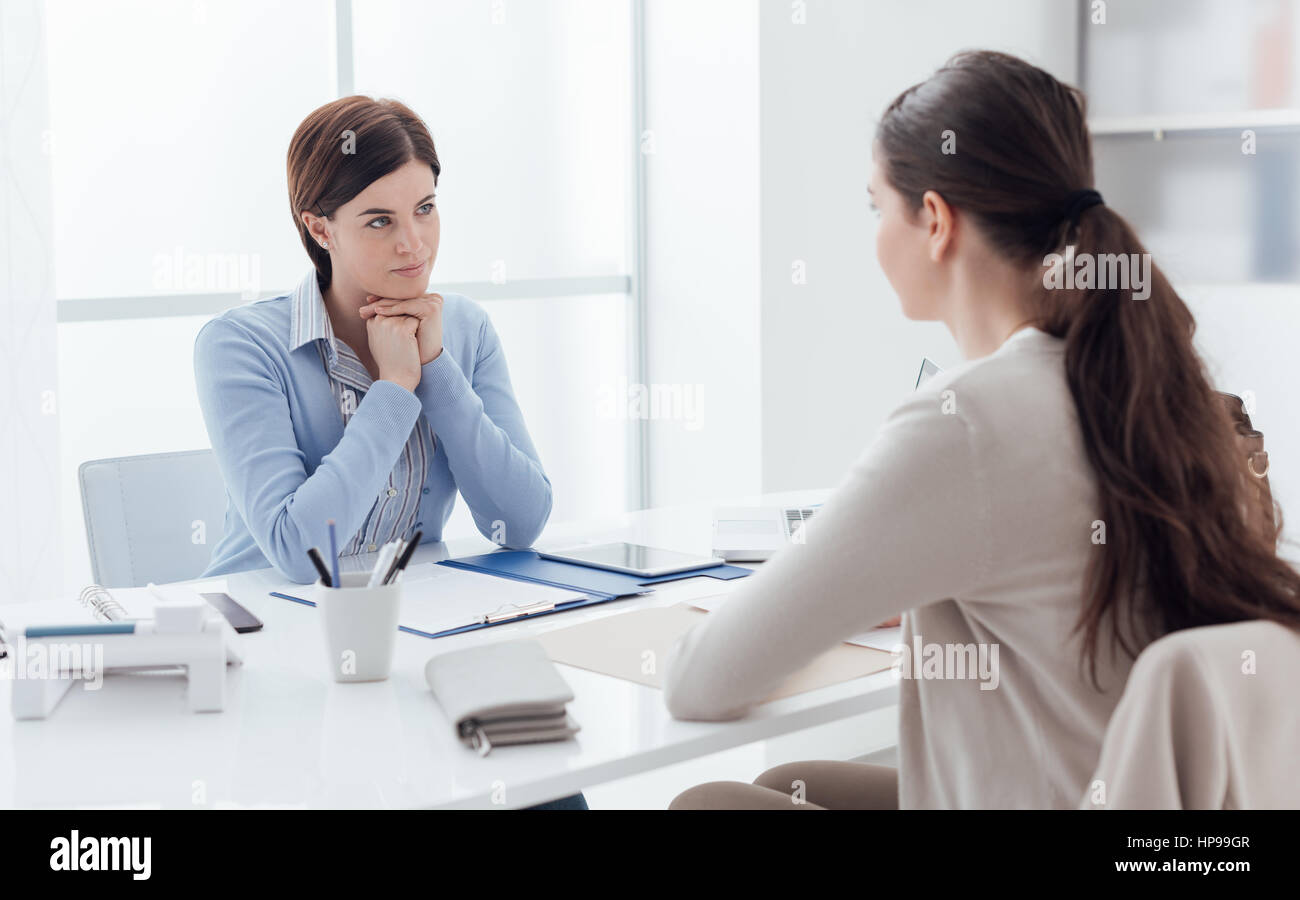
{"points": [[239, 618]]}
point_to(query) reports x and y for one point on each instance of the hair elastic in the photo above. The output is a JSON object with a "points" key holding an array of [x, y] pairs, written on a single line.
{"points": [[1078, 201]]}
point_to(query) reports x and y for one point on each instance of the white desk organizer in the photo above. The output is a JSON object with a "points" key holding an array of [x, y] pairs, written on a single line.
{"points": [[183, 632]]}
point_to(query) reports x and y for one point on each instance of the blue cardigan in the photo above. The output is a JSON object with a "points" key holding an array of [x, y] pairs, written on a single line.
{"points": [[289, 464]]}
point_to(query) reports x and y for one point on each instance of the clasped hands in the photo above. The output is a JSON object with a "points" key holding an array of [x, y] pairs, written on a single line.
{"points": [[403, 335]]}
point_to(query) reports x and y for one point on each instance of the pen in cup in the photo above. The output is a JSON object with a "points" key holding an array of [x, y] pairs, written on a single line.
{"points": [[319, 563], [385, 562], [392, 563], [404, 558]]}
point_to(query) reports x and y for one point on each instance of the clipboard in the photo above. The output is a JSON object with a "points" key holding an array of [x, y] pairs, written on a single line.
{"points": [[599, 585], [520, 613]]}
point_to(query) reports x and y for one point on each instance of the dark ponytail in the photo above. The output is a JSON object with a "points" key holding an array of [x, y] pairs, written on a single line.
{"points": [[1184, 544]]}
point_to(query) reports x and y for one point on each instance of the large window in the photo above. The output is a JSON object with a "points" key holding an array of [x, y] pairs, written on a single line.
{"points": [[170, 124], [529, 106]]}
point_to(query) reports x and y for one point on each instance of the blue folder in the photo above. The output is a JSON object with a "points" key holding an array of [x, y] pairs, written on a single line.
{"points": [[559, 607], [599, 585]]}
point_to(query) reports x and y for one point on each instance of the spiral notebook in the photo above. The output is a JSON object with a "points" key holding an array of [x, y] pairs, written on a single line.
{"points": [[135, 603], [127, 603], [103, 606], [95, 602]]}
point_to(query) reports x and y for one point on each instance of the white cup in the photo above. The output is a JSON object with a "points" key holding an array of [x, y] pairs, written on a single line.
{"points": [[360, 626]]}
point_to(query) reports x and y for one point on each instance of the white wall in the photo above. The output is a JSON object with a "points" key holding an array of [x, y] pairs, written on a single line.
{"points": [[837, 355], [1247, 335], [29, 400], [702, 265], [761, 135]]}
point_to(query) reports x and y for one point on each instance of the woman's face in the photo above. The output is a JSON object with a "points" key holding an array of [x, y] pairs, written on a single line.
{"points": [[390, 226], [903, 249]]}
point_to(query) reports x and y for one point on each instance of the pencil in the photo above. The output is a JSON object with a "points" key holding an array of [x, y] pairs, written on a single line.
{"points": [[334, 555]]}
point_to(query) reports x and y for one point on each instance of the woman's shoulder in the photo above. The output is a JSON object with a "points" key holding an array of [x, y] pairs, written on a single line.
{"points": [[258, 330], [1027, 362], [265, 321], [466, 326], [460, 309], [1022, 384]]}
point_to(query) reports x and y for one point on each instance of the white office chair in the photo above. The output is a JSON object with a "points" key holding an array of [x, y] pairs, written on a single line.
{"points": [[152, 518], [1194, 729]]}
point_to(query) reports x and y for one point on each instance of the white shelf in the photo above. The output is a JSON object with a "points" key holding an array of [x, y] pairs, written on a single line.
{"points": [[1159, 125]]}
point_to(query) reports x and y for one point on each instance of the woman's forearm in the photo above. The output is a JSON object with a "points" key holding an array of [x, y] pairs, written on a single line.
{"points": [[248, 421], [491, 456]]}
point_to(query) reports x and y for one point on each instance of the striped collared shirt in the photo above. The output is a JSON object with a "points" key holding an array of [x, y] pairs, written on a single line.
{"points": [[398, 504]]}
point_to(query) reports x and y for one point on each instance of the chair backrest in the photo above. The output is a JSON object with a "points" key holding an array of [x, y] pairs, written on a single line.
{"points": [[152, 518], [1207, 720]]}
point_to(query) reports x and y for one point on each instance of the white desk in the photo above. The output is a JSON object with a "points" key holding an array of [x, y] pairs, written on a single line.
{"points": [[292, 737]]}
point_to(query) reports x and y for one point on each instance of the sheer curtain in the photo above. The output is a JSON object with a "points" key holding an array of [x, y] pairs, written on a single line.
{"points": [[29, 405]]}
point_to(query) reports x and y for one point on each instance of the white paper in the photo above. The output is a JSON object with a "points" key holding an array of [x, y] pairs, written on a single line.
{"points": [[438, 598], [880, 638], [886, 639], [709, 602]]}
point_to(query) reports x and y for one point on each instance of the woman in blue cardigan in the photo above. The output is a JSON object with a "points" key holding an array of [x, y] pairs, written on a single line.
{"points": [[360, 397]]}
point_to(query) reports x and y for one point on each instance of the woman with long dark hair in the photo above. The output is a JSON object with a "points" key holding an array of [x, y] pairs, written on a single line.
{"points": [[1070, 493]]}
